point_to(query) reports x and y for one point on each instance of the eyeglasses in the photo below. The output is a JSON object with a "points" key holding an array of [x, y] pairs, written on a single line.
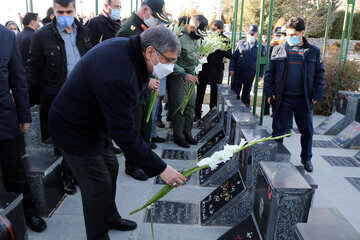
{"points": [[173, 61]]}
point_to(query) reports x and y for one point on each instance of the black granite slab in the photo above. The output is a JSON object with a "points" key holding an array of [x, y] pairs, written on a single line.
{"points": [[337, 161], [357, 115], [357, 156], [324, 144], [247, 229], [174, 213], [354, 181], [209, 116], [207, 128], [177, 154], [341, 103], [349, 137], [210, 144]]}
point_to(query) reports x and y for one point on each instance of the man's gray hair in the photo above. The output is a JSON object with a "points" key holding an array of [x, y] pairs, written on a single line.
{"points": [[161, 38]]}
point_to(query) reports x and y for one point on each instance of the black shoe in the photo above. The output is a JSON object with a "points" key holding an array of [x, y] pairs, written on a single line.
{"points": [[307, 165], [69, 188], [152, 145], [160, 124], [35, 223], [182, 143], [137, 174], [117, 150], [191, 140], [122, 225], [158, 140]]}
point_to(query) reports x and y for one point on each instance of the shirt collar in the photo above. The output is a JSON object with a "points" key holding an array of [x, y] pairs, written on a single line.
{"points": [[62, 29]]}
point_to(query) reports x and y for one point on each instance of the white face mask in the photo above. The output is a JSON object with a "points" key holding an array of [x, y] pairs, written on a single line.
{"points": [[41, 25], [151, 21], [251, 39], [162, 70]]}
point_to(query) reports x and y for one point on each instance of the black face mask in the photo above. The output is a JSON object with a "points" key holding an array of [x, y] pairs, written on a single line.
{"points": [[194, 36]]}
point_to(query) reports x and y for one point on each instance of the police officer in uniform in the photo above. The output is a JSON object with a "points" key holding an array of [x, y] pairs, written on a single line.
{"points": [[150, 14], [243, 65], [183, 76]]}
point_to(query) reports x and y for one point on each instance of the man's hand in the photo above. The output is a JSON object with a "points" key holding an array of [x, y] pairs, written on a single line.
{"points": [[274, 43], [154, 84], [314, 101], [191, 78], [225, 60], [231, 73], [172, 177], [269, 99], [24, 127]]}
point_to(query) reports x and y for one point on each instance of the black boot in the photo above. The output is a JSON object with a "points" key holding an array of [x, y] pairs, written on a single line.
{"points": [[191, 140], [182, 143], [35, 223]]}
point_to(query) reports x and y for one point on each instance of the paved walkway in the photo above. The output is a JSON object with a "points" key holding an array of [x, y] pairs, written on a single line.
{"points": [[334, 191]]}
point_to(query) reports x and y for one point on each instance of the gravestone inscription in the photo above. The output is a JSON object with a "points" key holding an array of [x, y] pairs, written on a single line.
{"points": [[208, 128], [208, 117], [174, 213], [212, 144], [240, 120]]}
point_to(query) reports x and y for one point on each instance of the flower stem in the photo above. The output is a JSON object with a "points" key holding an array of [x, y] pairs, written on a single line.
{"points": [[152, 102]]}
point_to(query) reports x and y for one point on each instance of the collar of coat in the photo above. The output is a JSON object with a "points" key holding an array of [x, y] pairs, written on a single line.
{"points": [[140, 23], [138, 59]]}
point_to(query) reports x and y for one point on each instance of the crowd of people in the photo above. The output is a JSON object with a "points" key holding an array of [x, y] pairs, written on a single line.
{"points": [[94, 83]]}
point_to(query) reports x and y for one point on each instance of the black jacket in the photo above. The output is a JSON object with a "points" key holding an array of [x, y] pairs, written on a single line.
{"points": [[47, 60], [12, 77], [98, 99], [102, 28], [213, 71], [24, 39], [314, 83]]}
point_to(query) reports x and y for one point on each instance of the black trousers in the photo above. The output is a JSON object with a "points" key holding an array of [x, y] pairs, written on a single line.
{"points": [[96, 176], [201, 88], [13, 171]]}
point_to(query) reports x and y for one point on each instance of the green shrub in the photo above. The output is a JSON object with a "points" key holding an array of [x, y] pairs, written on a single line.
{"points": [[336, 27], [350, 81]]}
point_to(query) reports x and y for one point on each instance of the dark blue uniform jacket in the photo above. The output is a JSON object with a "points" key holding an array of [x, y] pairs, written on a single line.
{"points": [[313, 73], [243, 61], [12, 77], [99, 98]]}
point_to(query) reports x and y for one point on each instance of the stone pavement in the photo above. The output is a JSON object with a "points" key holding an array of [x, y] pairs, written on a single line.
{"points": [[334, 191]]}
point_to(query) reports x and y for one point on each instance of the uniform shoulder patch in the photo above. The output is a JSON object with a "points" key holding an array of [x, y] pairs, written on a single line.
{"points": [[132, 27]]}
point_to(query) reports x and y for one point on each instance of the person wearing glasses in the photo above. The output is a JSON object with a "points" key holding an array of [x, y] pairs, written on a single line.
{"points": [[150, 14], [54, 51], [107, 24], [182, 78]]}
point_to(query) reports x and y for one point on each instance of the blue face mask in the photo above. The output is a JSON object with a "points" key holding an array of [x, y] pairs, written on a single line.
{"points": [[65, 21], [293, 41], [115, 14]]}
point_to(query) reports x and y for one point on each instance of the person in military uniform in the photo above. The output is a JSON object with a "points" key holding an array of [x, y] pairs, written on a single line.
{"points": [[150, 14], [183, 76], [243, 65]]}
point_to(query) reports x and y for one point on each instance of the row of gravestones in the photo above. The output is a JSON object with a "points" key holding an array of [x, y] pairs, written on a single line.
{"points": [[44, 174], [258, 184], [344, 122]]}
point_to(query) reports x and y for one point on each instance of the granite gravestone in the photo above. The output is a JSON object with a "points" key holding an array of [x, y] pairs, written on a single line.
{"points": [[251, 157], [44, 174], [209, 129], [226, 95], [349, 137], [33, 135], [326, 223], [228, 204], [247, 229], [280, 198], [232, 106], [207, 118], [174, 213], [12, 208], [346, 105], [212, 145], [240, 120], [357, 156], [220, 87]]}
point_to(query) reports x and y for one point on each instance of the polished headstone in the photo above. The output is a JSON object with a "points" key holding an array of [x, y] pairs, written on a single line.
{"points": [[357, 156], [326, 223], [207, 118], [12, 208], [209, 129], [174, 213], [338, 161], [229, 95], [240, 120], [349, 137], [232, 106], [280, 200], [357, 116], [252, 156], [220, 87], [43, 170], [247, 229], [33, 135], [228, 204], [346, 106], [213, 144], [178, 154], [282, 153], [355, 181]]}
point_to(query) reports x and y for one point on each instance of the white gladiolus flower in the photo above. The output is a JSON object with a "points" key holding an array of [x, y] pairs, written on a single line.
{"points": [[203, 60], [198, 69]]}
